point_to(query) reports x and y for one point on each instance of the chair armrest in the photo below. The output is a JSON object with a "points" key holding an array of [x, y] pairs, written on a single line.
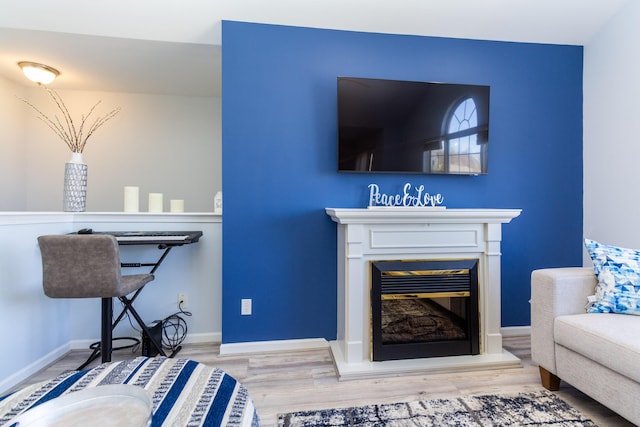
{"points": [[556, 292]]}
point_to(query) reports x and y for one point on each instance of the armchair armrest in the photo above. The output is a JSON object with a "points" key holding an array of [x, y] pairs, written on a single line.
{"points": [[556, 292]]}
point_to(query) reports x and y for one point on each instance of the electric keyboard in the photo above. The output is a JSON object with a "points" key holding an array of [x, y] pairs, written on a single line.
{"points": [[156, 237], [142, 237], [167, 238]]}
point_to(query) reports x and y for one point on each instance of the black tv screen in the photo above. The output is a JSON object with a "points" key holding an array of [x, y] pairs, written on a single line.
{"points": [[412, 127]]}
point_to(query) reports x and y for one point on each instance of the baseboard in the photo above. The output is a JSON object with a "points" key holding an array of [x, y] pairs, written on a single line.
{"points": [[202, 338], [512, 331], [33, 368], [51, 357], [268, 346]]}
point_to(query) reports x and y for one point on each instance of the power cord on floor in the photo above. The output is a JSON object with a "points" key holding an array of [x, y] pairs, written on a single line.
{"points": [[174, 332], [174, 329], [96, 349]]}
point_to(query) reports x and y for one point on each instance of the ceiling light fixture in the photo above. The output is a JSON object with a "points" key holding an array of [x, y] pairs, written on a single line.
{"points": [[38, 73]]}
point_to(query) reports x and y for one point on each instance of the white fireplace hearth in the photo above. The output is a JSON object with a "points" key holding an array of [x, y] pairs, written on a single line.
{"points": [[378, 234]]}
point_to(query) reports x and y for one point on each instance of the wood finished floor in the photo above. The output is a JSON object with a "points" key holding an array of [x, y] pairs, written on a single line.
{"points": [[303, 380]]}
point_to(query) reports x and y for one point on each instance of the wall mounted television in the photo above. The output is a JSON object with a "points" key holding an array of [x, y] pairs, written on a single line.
{"points": [[412, 127]]}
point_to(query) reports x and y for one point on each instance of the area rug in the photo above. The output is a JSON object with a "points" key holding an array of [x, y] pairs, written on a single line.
{"points": [[525, 409]]}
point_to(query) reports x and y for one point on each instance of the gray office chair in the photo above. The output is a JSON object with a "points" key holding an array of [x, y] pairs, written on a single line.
{"points": [[88, 266]]}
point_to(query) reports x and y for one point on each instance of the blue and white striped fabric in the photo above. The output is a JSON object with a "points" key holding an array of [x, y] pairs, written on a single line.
{"points": [[185, 392], [618, 273]]}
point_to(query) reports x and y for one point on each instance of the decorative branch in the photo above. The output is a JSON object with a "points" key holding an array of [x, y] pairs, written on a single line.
{"points": [[65, 128]]}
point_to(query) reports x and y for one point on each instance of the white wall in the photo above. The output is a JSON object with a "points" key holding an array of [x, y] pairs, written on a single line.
{"points": [[37, 330], [611, 136], [13, 171], [165, 144]]}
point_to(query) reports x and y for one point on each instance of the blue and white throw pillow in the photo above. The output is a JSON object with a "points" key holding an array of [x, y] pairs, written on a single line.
{"points": [[618, 273]]}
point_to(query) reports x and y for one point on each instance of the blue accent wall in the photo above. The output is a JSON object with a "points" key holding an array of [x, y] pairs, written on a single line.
{"points": [[279, 163]]}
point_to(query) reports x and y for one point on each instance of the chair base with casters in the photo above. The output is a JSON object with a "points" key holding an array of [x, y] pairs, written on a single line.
{"points": [[88, 266]]}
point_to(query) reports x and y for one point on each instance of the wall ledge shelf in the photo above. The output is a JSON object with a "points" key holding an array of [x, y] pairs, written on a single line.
{"points": [[14, 218]]}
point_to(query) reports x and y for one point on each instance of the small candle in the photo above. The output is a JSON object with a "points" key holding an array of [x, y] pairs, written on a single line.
{"points": [[176, 205], [131, 199], [155, 202]]}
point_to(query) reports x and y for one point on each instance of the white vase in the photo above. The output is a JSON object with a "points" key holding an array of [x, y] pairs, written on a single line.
{"points": [[74, 196]]}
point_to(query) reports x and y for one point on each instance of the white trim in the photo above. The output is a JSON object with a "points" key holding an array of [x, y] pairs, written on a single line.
{"points": [[267, 346], [58, 353], [33, 368], [422, 215], [24, 218], [201, 338], [146, 217], [204, 338], [513, 331]]}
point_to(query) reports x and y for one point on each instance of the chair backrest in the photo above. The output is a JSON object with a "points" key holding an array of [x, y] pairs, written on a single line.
{"points": [[80, 266]]}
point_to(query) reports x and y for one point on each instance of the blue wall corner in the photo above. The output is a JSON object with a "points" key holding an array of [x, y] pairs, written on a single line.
{"points": [[279, 163]]}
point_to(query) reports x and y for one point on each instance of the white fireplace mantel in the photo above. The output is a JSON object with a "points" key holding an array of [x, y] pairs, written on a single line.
{"points": [[376, 234]]}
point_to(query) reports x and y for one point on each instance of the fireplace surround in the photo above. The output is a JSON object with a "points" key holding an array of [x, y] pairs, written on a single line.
{"points": [[375, 234]]}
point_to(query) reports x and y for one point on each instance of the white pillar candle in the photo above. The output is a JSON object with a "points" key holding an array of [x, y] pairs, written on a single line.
{"points": [[176, 205], [131, 199], [155, 202]]}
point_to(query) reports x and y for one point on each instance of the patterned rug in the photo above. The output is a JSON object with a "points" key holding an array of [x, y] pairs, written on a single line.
{"points": [[525, 409]]}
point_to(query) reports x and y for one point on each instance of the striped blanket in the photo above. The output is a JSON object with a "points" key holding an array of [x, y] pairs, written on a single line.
{"points": [[185, 392]]}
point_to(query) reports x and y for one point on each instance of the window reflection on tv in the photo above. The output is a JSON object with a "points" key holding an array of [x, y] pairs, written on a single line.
{"points": [[412, 127]]}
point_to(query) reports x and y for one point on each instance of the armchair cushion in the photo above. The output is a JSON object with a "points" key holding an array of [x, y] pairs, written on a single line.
{"points": [[607, 338]]}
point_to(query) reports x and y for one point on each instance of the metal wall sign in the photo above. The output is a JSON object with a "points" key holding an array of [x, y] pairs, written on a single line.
{"points": [[411, 196]]}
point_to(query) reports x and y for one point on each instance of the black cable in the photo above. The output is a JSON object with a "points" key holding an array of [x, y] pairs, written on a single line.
{"points": [[96, 345], [96, 349], [174, 329], [174, 332]]}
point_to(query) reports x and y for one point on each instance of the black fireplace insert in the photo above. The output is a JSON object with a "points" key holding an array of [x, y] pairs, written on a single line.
{"points": [[426, 308]]}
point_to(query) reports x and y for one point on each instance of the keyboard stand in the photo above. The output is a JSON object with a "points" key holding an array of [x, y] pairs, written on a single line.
{"points": [[164, 244], [155, 265], [128, 301]]}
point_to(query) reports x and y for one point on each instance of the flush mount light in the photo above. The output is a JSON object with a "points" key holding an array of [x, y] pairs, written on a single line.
{"points": [[38, 73]]}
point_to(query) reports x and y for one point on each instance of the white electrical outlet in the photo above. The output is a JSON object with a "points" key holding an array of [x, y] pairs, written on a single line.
{"points": [[182, 298], [245, 307]]}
